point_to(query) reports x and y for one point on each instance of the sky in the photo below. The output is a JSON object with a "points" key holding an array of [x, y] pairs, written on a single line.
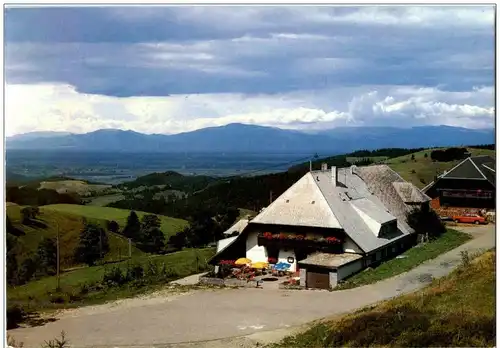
{"points": [[181, 68]]}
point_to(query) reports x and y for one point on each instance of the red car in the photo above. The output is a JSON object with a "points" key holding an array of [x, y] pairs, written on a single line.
{"points": [[470, 219]]}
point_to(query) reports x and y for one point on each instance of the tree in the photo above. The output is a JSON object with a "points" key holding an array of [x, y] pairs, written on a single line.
{"points": [[152, 238], [11, 260], [426, 222], [113, 226], [27, 270], [92, 244], [47, 256], [426, 155], [180, 239], [412, 157], [133, 227], [226, 217], [29, 214]]}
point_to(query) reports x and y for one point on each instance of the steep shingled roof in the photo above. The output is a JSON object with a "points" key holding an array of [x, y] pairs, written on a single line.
{"points": [[368, 190], [301, 205], [475, 168], [237, 227]]}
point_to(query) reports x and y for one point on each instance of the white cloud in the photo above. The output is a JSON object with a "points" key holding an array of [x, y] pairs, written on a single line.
{"points": [[61, 108], [268, 17]]}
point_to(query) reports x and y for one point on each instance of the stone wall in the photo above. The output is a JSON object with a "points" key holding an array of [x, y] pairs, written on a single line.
{"points": [[228, 282]]}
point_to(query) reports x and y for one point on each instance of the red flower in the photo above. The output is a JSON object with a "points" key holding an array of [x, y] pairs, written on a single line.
{"points": [[227, 262], [268, 235], [282, 236], [332, 240], [271, 260]]}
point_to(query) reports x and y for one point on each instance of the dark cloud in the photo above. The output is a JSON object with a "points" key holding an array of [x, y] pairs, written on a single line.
{"points": [[252, 50]]}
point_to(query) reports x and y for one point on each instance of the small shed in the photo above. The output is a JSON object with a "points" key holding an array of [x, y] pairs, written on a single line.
{"points": [[323, 270]]}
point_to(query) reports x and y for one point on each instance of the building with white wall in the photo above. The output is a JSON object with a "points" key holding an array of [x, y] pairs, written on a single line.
{"points": [[331, 224]]}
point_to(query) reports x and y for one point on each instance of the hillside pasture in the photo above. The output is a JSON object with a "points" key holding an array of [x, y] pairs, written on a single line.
{"points": [[69, 226], [102, 201], [169, 226], [375, 159], [79, 187], [36, 295]]}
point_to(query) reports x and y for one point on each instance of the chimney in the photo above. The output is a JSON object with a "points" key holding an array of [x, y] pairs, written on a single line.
{"points": [[324, 167], [334, 176]]}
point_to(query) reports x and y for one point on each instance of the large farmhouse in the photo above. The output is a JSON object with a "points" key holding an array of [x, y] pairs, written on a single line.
{"points": [[330, 224], [470, 184]]}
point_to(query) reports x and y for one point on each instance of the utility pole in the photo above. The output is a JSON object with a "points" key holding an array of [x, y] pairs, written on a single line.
{"points": [[129, 248], [58, 267], [270, 197], [100, 243], [310, 165]]}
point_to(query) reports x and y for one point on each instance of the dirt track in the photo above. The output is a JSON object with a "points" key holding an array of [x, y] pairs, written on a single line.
{"points": [[218, 317]]}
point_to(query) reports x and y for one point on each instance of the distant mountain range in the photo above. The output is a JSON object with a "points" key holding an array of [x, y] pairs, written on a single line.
{"points": [[254, 139]]}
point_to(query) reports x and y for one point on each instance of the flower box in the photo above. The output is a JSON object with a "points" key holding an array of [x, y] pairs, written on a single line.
{"points": [[227, 262]]}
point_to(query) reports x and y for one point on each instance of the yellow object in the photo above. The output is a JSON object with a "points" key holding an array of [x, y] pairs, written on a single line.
{"points": [[243, 261], [259, 265]]}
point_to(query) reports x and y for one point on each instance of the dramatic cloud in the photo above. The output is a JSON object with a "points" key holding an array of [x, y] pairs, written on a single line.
{"points": [[171, 69], [61, 107]]}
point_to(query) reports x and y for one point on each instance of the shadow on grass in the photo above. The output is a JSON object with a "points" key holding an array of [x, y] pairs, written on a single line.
{"points": [[35, 223], [34, 319]]}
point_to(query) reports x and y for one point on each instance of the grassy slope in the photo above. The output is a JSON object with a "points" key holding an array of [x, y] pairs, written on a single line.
{"points": [[102, 201], [458, 310], [36, 294], [169, 225], [77, 186], [413, 257], [69, 230], [424, 168], [353, 160]]}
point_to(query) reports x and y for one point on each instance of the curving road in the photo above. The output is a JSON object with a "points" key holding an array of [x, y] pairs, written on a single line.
{"points": [[216, 314]]}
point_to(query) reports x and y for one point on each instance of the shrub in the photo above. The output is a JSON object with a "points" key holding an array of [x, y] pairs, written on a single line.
{"points": [[15, 315], [57, 343], [114, 277]]}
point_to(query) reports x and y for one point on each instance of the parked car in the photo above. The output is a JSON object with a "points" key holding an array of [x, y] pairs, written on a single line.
{"points": [[470, 219]]}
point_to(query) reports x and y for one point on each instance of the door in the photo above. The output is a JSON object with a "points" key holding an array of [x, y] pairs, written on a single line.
{"points": [[318, 280]]}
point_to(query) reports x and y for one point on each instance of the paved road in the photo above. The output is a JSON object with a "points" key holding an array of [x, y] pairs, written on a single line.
{"points": [[215, 314]]}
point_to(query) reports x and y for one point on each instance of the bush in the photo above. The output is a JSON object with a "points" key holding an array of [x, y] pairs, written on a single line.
{"points": [[114, 277], [426, 222], [15, 316]]}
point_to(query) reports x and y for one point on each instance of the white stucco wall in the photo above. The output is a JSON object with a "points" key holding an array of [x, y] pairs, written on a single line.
{"points": [[351, 247], [333, 277], [255, 252], [345, 271], [283, 256]]}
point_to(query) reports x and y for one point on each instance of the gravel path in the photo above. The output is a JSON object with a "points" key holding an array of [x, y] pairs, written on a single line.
{"points": [[231, 317]]}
